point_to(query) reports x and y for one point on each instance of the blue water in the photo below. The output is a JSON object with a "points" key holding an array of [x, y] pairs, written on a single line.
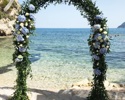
{"points": [[63, 54]]}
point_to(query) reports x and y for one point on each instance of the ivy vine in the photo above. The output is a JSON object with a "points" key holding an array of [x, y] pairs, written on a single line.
{"points": [[98, 42]]}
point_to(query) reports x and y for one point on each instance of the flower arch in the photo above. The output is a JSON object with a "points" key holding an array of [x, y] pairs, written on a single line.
{"points": [[98, 42]]}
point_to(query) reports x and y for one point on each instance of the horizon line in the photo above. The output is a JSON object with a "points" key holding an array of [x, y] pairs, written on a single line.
{"points": [[70, 27]]}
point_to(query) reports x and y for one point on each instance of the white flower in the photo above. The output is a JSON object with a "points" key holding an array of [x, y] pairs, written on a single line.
{"points": [[31, 7], [31, 26], [27, 14], [21, 18], [105, 32], [103, 50], [29, 20], [19, 58], [95, 57], [103, 45], [97, 71], [21, 24], [105, 25], [107, 47], [100, 30], [26, 24], [19, 38], [25, 30], [27, 36], [96, 27], [100, 17], [21, 45]]}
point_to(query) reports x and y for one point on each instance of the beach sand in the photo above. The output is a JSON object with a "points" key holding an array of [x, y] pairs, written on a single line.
{"points": [[38, 90]]}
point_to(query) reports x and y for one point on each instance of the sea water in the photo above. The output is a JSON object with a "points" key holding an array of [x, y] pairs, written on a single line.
{"points": [[63, 55]]}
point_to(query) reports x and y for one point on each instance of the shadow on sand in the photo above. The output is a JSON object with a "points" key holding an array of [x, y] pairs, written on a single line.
{"points": [[6, 69], [61, 95], [51, 95], [70, 94]]}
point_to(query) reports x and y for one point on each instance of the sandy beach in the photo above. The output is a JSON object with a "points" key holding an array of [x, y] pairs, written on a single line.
{"points": [[38, 90]]}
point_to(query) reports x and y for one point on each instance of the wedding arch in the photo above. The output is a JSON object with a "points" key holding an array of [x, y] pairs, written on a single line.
{"points": [[98, 42]]}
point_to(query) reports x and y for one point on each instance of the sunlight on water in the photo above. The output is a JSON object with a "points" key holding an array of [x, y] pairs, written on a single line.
{"points": [[63, 55]]}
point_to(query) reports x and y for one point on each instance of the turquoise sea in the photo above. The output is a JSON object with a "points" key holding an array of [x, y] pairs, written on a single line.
{"points": [[62, 55]]}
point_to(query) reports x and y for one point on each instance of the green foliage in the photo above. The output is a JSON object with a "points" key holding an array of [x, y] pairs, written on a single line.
{"points": [[98, 92], [88, 10], [4, 3], [5, 15]]}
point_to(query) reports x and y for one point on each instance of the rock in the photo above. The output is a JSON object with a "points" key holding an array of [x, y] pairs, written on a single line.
{"points": [[76, 87], [85, 82], [106, 83], [6, 27], [122, 84], [14, 12], [2, 33], [8, 20], [116, 85], [122, 25], [69, 92]]}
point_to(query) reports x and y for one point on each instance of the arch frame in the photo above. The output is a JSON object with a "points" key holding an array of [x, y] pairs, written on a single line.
{"points": [[98, 42]]}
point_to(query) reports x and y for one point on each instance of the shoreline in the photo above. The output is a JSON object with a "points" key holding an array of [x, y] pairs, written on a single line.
{"points": [[41, 89], [9, 36], [61, 94]]}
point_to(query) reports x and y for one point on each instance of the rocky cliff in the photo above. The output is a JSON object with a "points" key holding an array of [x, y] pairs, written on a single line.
{"points": [[122, 25], [8, 12]]}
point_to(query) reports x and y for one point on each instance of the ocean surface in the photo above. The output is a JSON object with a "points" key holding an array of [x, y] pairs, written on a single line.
{"points": [[63, 55]]}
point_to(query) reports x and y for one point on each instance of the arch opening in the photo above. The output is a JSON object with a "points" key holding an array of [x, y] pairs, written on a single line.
{"points": [[98, 42]]}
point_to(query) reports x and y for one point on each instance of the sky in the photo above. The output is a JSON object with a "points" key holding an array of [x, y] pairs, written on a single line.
{"points": [[65, 16]]}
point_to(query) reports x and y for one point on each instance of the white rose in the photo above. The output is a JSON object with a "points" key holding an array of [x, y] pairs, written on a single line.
{"points": [[21, 24], [105, 32], [27, 14], [100, 30], [26, 24], [96, 27]]}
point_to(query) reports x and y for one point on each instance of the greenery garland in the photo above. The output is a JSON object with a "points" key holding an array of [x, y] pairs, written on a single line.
{"points": [[98, 42]]}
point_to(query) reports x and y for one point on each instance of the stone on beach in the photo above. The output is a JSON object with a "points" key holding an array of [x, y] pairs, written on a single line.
{"points": [[85, 82]]}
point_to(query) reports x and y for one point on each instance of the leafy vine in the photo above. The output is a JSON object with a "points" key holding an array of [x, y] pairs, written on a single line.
{"points": [[98, 42]]}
